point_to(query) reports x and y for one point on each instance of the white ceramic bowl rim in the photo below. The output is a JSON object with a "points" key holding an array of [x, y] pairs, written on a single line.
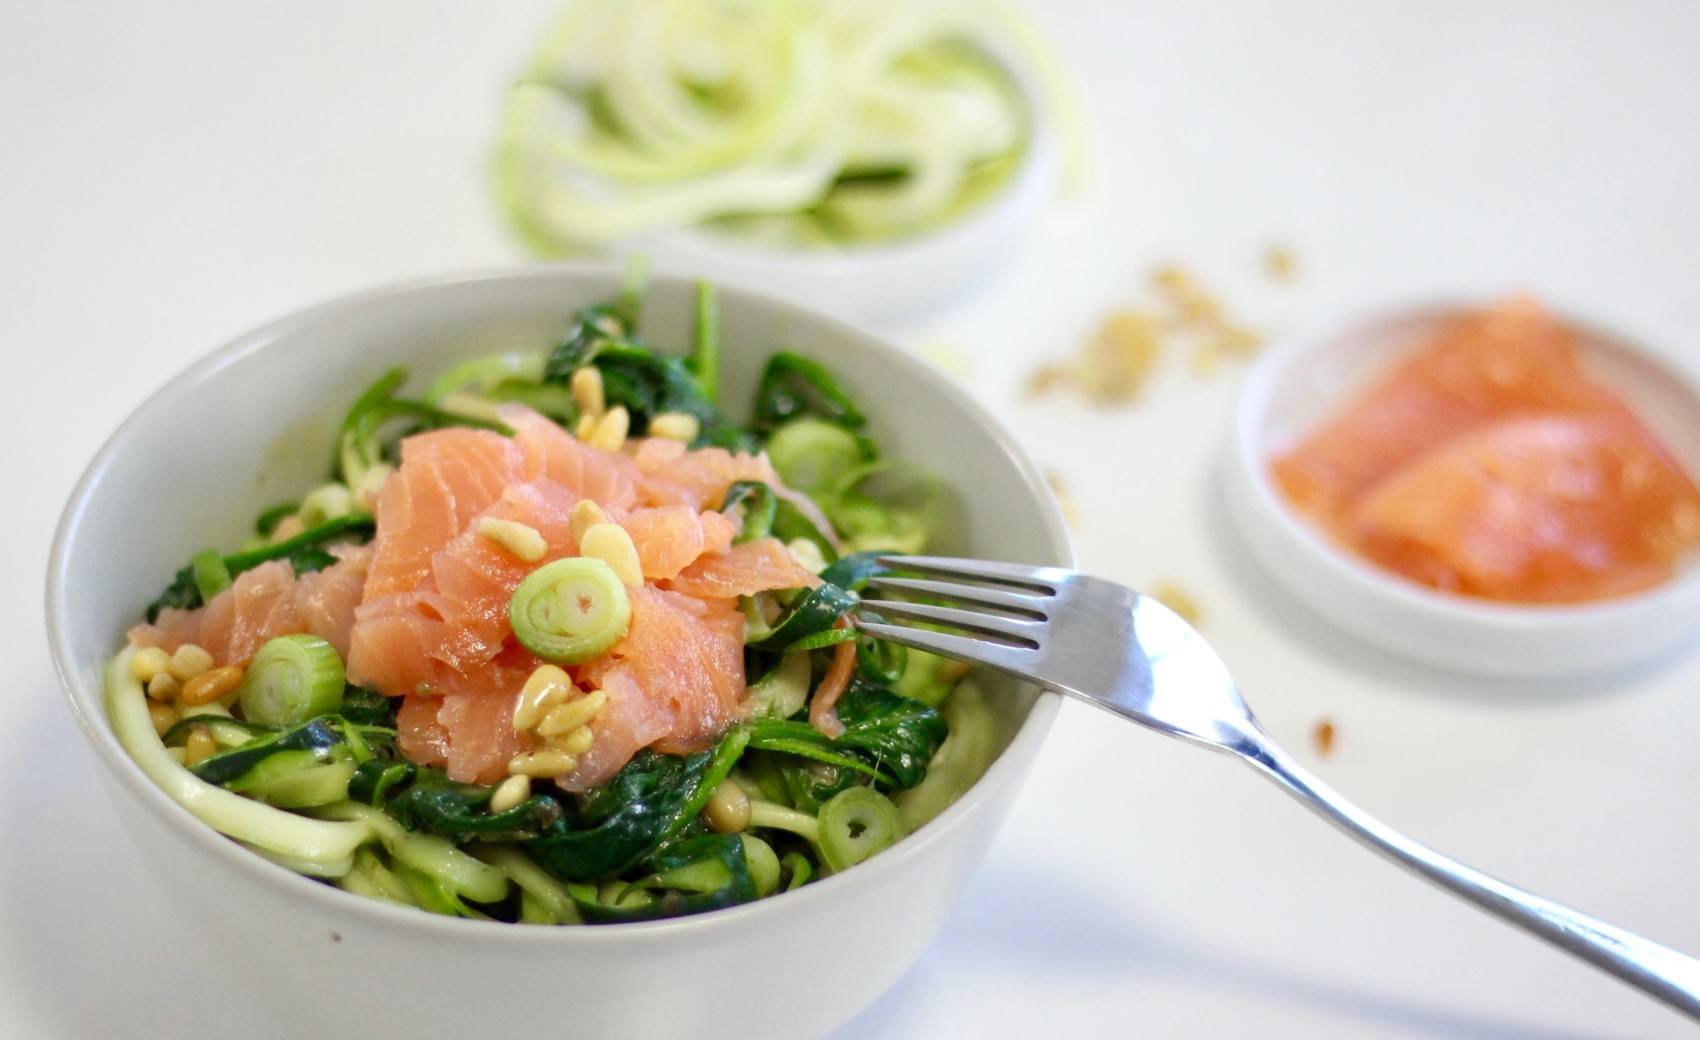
{"points": [[1252, 456], [91, 718]]}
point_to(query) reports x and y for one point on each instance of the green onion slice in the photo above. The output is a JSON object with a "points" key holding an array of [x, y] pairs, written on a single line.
{"points": [[855, 824], [292, 679], [813, 455], [571, 610]]}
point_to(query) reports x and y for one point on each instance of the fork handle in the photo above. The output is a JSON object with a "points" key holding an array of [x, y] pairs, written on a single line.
{"points": [[1662, 972]]}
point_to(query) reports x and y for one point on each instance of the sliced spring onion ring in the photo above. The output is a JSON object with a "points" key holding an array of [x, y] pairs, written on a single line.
{"points": [[855, 824], [292, 679], [571, 610], [813, 455]]}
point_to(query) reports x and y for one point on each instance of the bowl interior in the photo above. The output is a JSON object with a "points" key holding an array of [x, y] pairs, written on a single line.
{"points": [[253, 424]]}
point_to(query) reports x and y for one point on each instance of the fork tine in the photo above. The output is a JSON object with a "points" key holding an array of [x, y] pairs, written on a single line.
{"points": [[1001, 656], [980, 595], [1000, 626], [1038, 579]]}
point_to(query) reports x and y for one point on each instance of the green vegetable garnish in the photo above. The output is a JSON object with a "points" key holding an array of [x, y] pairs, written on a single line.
{"points": [[813, 455], [292, 679], [857, 823], [571, 610]]}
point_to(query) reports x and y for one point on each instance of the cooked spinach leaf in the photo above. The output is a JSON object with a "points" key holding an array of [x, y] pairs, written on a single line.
{"points": [[689, 875], [307, 551], [793, 385], [647, 383], [620, 823], [887, 736]]}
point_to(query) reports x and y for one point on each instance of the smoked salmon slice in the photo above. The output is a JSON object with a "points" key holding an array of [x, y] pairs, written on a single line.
{"points": [[1515, 359], [1490, 464], [1545, 510], [422, 612], [266, 602]]}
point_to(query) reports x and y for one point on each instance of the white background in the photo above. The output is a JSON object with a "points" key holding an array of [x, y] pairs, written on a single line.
{"points": [[174, 173]]}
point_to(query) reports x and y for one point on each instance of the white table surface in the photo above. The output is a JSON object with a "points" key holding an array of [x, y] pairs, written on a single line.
{"points": [[175, 173]]}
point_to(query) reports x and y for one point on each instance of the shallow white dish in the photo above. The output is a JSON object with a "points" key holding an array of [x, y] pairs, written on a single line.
{"points": [[1306, 378], [251, 422]]}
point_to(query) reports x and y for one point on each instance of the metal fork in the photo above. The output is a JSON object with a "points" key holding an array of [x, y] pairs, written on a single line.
{"points": [[1112, 647]]}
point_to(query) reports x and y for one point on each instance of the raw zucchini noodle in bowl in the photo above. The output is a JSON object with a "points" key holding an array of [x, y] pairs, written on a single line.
{"points": [[559, 642], [796, 123]]}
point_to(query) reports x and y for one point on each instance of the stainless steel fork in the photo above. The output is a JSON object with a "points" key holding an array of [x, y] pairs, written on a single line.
{"points": [[1112, 647]]}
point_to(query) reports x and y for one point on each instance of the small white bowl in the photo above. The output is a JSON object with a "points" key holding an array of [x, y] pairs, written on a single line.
{"points": [[1310, 376], [251, 423], [879, 280]]}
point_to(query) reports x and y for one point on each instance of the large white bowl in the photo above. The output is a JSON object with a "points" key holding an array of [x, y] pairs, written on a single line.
{"points": [[250, 424]]}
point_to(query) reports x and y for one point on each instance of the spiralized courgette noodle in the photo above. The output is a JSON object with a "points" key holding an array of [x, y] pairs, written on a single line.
{"points": [[794, 122]]}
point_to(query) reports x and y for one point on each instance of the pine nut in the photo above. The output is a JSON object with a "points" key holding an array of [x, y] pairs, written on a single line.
{"points": [[572, 715], [587, 391], [576, 742], [288, 528], [200, 746], [520, 540], [510, 793], [164, 687], [544, 763], [190, 661], [612, 545], [210, 686], [148, 662], [611, 429], [163, 717], [728, 808], [586, 514], [675, 426], [545, 688]]}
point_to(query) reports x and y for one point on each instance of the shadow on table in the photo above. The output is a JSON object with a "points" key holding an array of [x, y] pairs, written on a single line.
{"points": [[1301, 626], [1019, 925], [84, 935]]}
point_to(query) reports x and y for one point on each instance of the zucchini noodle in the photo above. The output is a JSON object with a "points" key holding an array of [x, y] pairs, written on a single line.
{"points": [[793, 120], [320, 847]]}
